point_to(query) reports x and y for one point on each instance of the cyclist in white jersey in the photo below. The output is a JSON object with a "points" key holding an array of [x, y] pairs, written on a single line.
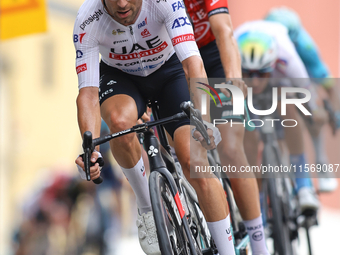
{"points": [[139, 42], [267, 52], [290, 65], [139, 48], [319, 72]]}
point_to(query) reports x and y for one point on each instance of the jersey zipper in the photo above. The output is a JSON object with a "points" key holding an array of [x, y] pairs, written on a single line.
{"points": [[139, 59]]}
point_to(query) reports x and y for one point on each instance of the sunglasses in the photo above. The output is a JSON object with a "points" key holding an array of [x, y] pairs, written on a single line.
{"points": [[246, 73]]}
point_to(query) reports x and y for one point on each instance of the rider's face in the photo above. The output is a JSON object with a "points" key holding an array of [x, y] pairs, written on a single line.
{"points": [[257, 80], [124, 11]]}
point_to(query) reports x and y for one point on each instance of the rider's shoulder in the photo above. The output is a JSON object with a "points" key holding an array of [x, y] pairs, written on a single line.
{"points": [[91, 11], [174, 5]]}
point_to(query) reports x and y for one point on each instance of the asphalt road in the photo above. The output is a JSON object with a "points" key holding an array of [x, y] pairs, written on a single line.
{"points": [[324, 237]]}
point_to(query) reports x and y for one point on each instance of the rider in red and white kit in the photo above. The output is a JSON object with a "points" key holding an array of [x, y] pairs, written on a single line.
{"points": [[214, 36]]}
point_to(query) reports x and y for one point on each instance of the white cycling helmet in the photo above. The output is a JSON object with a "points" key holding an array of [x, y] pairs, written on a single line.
{"points": [[287, 17], [258, 51]]}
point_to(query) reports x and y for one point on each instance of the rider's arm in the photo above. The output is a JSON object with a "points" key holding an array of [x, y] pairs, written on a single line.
{"points": [[316, 67], [89, 120], [309, 53], [87, 68], [221, 26], [194, 70], [222, 29], [173, 14], [88, 111]]}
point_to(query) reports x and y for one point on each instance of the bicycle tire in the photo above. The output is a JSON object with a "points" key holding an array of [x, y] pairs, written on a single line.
{"points": [[278, 219], [170, 232], [197, 223], [196, 219]]}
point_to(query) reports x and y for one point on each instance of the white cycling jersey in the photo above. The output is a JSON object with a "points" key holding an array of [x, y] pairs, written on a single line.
{"points": [[161, 29], [289, 63]]}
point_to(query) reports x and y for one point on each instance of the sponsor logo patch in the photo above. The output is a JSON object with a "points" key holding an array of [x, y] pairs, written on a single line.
{"points": [[192, 5], [111, 82], [143, 61], [120, 41], [214, 2], [140, 54], [141, 69], [143, 23], [254, 228], [145, 33], [201, 29], [81, 68], [109, 91], [78, 38], [118, 31], [151, 43], [94, 17], [79, 54], [155, 65], [143, 170], [177, 5], [180, 22], [182, 38], [201, 14], [257, 236], [152, 151]]}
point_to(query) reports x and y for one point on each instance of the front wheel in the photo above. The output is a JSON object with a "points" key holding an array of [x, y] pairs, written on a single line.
{"points": [[170, 230], [277, 213]]}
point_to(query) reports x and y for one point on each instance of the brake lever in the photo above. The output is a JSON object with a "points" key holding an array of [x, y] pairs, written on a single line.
{"points": [[88, 148]]}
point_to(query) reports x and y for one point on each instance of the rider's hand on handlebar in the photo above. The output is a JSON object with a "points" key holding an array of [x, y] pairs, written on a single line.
{"points": [[197, 136], [144, 118], [237, 83], [214, 136], [96, 158]]}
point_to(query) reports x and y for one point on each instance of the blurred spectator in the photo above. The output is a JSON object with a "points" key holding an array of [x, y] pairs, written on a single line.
{"points": [[65, 217]]}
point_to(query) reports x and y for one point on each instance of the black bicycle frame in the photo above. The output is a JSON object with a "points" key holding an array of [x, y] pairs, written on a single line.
{"points": [[165, 167], [157, 163]]}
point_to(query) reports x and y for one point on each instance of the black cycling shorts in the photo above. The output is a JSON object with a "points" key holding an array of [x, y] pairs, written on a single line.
{"points": [[167, 85], [214, 68]]}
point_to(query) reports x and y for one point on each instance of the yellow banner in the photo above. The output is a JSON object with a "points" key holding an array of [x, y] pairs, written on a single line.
{"points": [[22, 17]]}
